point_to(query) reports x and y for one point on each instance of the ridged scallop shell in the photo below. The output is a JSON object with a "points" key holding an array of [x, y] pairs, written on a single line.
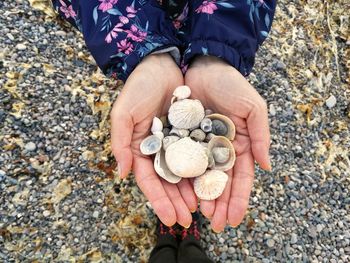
{"points": [[168, 140], [221, 141], [231, 129], [162, 169], [181, 93], [210, 185], [151, 145], [186, 114], [186, 158]]}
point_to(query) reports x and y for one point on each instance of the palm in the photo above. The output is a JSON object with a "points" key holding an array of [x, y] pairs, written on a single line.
{"points": [[224, 90], [144, 96]]}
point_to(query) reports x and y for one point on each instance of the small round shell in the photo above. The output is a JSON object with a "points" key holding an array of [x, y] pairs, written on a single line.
{"points": [[162, 169], [197, 135], [221, 154], [181, 93], [206, 125], [222, 119], [151, 145], [208, 112], [209, 137], [157, 125], [223, 142], [186, 158], [179, 132], [167, 141], [186, 114], [210, 185]]}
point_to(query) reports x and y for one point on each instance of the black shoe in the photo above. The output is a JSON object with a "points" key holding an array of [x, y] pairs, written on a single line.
{"points": [[194, 229]]}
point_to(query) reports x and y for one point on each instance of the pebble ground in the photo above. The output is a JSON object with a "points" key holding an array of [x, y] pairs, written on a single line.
{"points": [[60, 201]]}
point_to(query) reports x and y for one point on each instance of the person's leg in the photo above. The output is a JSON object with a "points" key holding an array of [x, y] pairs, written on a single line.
{"points": [[166, 247], [190, 250]]}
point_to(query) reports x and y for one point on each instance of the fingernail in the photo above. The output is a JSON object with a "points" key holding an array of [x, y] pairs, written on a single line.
{"points": [[187, 225], [192, 211], [216, 232], [234, 226], [120, 170]]}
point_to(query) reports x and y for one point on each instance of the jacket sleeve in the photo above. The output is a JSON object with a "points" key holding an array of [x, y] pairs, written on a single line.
{"points": [[231, 30], [119, 33]]}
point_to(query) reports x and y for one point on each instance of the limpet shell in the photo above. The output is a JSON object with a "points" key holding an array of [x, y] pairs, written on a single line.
{"points": [[181, 93], [151, 145], [221, 141], [210, 185], [186, 114], [179, 132], [186, 158], [157, 125], [197, 135], [222, 119], [168, 140], [162, 169], [221, 154]]}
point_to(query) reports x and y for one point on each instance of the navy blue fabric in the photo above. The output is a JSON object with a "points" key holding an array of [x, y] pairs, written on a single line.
{"points": [[120, 33]]}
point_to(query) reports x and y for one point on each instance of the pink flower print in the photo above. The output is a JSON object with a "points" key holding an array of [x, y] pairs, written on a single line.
{"points": [[131, 11], [124, 19], [207, 7], [67, 10], [106, 4], [177, 24], [125, 47], [113, 33], [136, 34]]}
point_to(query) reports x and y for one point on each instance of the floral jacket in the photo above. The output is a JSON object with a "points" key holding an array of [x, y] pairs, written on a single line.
{"points": [[119, 33]]}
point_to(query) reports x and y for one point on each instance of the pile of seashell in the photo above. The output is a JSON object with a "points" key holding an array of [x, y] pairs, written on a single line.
{"points": [[192, 142]]}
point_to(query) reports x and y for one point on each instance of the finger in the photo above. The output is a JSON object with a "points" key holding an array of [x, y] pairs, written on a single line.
{"points": [[121, 134], [186, 189], [207, 208], [183, 214], [219, 219], [242, 182], [153, 189], [259, 133]]}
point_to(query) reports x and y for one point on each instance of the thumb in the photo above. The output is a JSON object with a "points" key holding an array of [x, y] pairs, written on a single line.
{"points": [[259, 133], [121, 134]]}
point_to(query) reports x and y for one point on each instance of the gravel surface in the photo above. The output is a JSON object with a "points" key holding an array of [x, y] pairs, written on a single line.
{"points": [[61, 201]]}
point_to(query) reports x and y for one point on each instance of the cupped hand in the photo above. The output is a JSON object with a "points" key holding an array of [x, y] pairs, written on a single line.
{"points": [[147, 93], [223, 89]]}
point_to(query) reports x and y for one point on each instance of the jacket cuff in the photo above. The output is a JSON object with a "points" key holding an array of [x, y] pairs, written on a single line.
{"points": [[218, 49]]}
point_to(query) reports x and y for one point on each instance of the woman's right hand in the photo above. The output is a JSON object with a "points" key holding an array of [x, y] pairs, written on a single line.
{"points": [[146, 94]]}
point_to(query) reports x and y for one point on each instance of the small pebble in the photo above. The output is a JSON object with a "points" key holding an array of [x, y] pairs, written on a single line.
{"points": [[30, 146], [331, 101], [46, 213], [272, 110], [270, 243], [294, 238], [21, 46]]}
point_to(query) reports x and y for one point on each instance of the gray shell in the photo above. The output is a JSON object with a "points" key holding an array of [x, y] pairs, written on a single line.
{"points": [[162, 169], [222, 142], [220, 120], [151, 145]]}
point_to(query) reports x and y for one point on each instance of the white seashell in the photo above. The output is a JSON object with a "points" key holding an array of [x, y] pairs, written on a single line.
{"points": [[162, 169], [206, 125], [168, 140], [222, 126], [186, 114], [179, 132], [197, 135], [181, 93], [160, 135], [157, 125], [151, 145], [186, 158], [204, 144], [210, 185], [223, 142], [221, 154]]}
